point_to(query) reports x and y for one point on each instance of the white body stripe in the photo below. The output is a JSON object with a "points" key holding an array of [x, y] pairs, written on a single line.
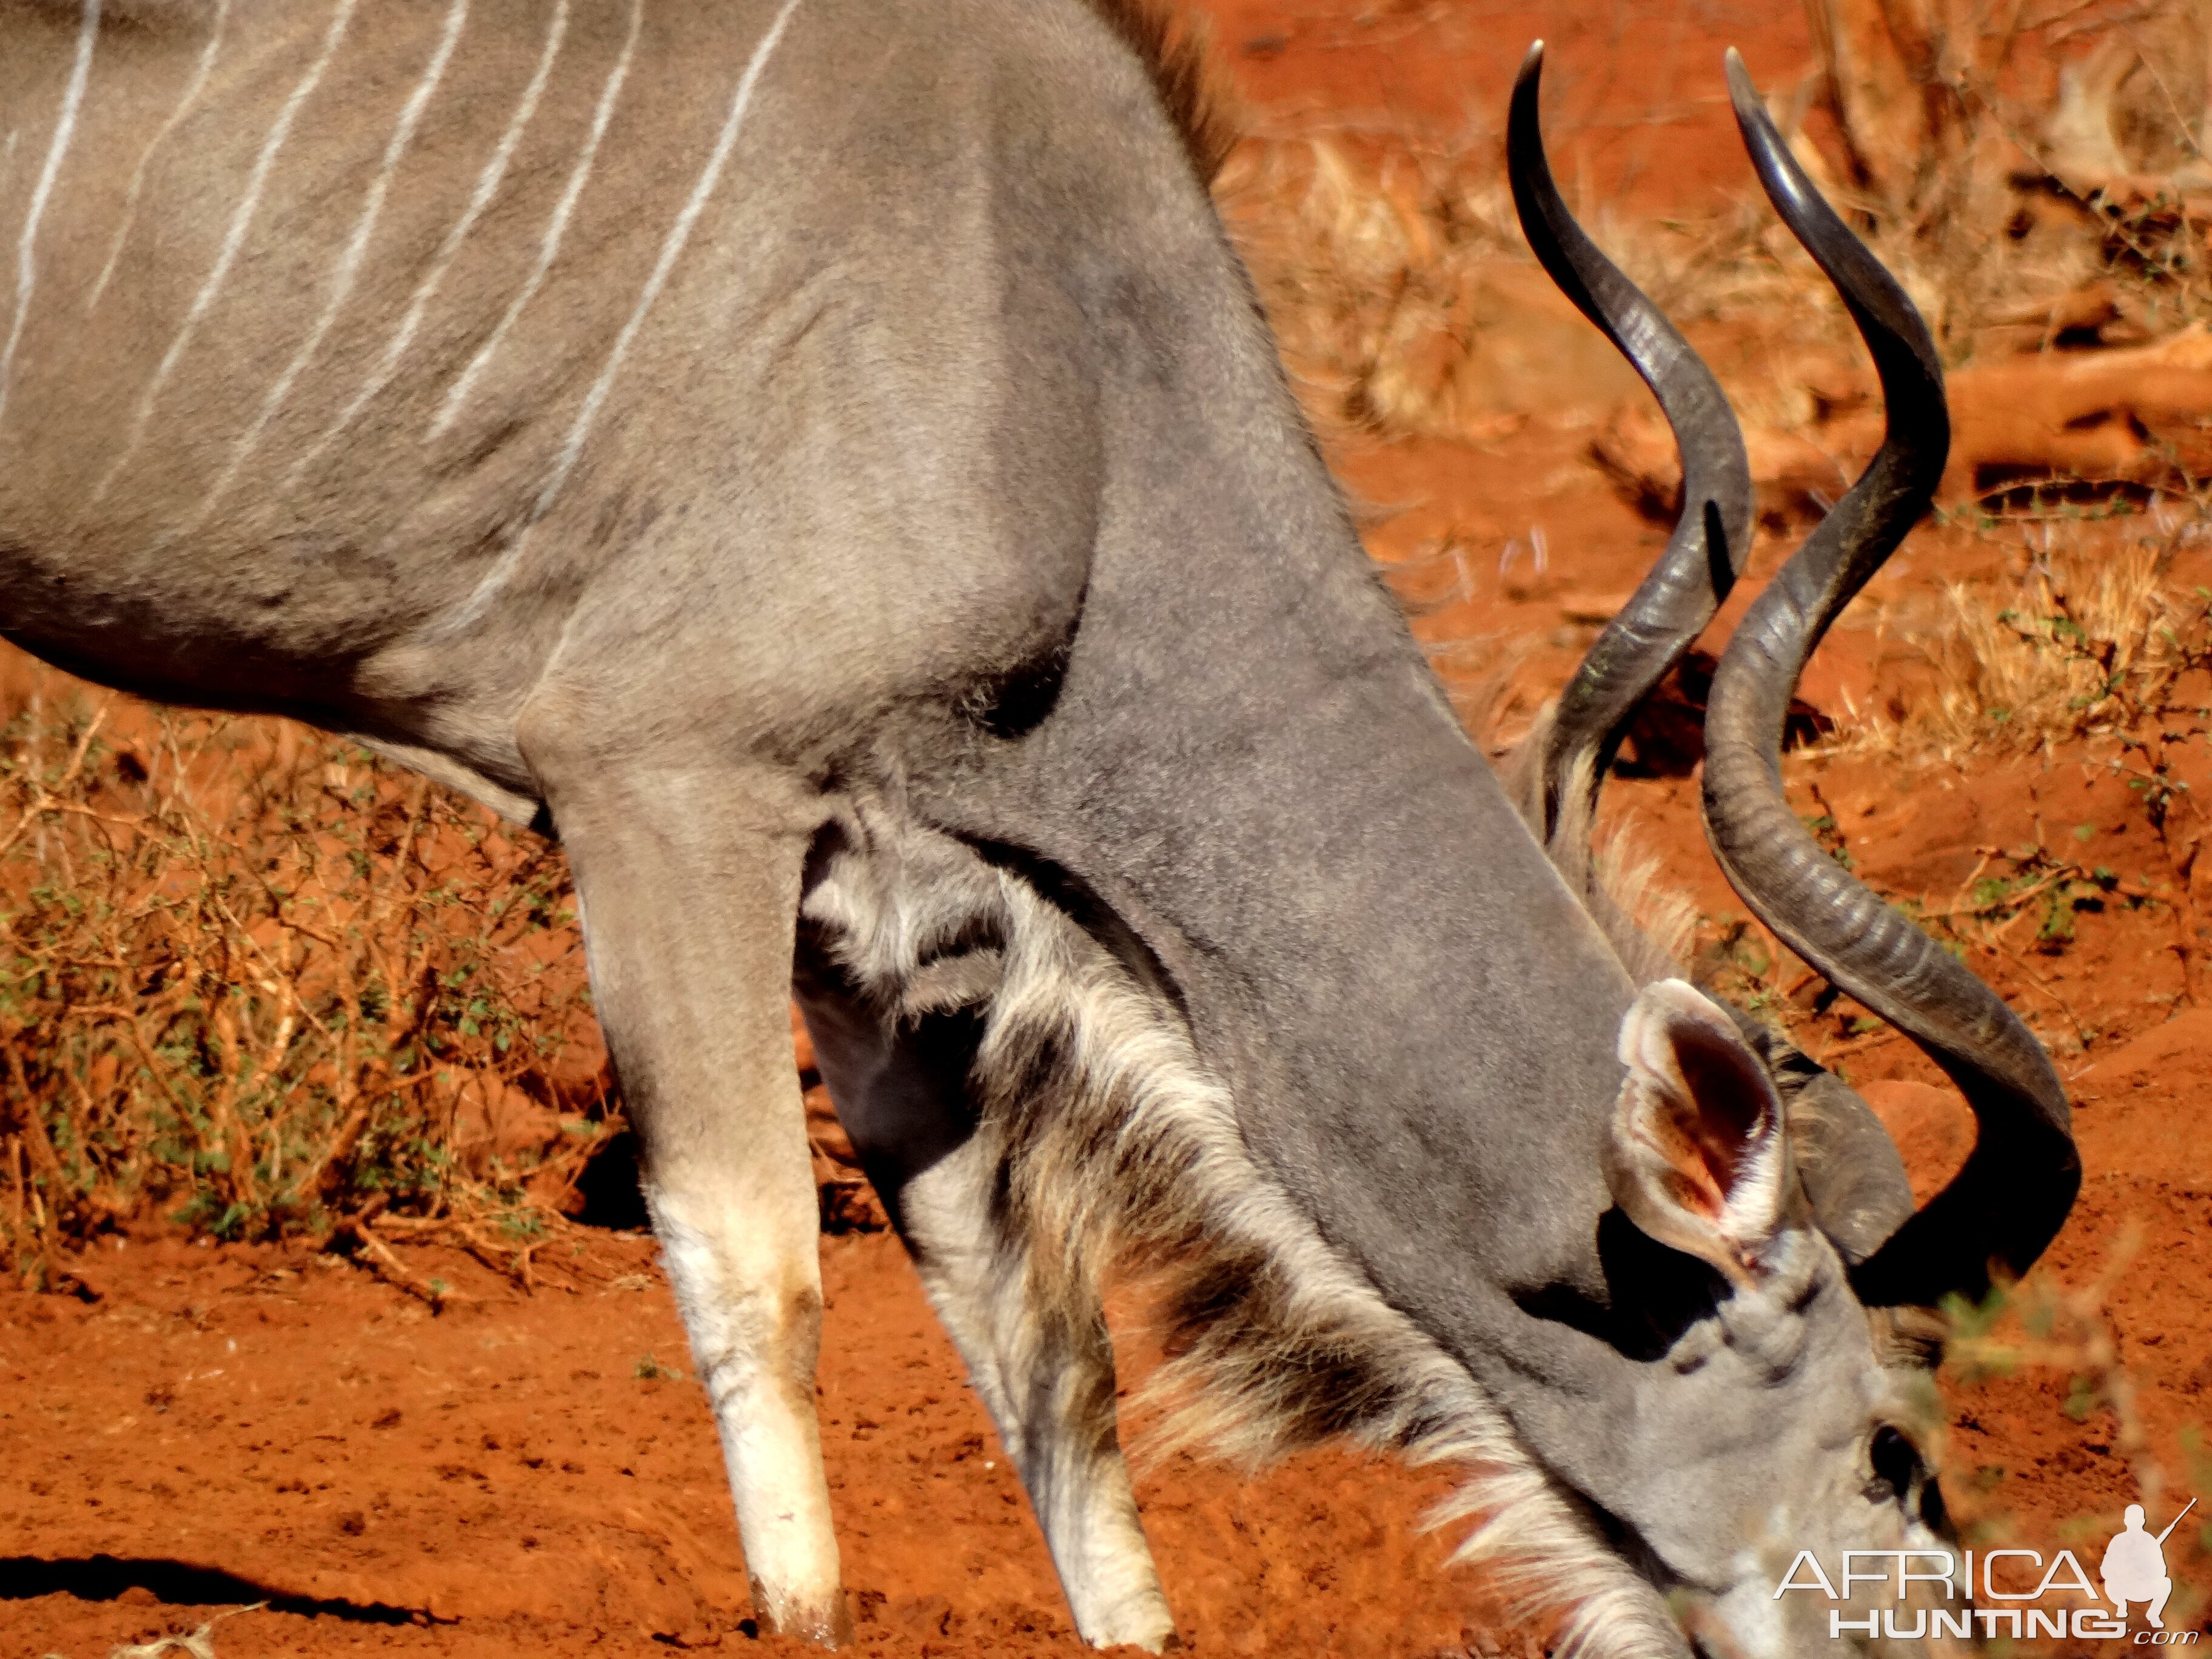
{"points": [[349, 262], [671, 249], [27, 263], [555, 228], [418, 304], [233, 240], [185, 104]]}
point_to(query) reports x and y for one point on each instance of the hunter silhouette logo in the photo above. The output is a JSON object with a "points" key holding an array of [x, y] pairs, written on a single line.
{"points": [[2134, 1568], [2008, 1599]]}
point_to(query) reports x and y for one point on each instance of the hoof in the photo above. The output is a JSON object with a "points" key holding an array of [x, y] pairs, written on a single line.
{"points": [[828, 1623]]}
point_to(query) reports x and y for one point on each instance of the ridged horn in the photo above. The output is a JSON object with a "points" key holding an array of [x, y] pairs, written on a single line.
{"points": [[2012, 1194], [1713, 534]]}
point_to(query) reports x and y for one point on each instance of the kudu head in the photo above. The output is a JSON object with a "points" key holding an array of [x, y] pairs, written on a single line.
{"points": [[1785, 1288]]}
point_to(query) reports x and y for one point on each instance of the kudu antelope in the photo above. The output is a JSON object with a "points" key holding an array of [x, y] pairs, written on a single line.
{"points": [[821, 458]]}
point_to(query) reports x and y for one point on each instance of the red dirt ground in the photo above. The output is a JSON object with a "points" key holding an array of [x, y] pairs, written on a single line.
{"points": [[207, 1426], [502, 1477]]}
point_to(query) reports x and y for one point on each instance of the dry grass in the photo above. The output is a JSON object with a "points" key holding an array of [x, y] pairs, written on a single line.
{"points": [[1376, 262], [1408, 305], [249, 978], [2092, 639], [2031, 174], [1999, 153]]}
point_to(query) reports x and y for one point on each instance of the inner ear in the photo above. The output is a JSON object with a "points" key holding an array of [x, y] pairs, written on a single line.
{"points": [[1697, 1157], [1732, 1102]]}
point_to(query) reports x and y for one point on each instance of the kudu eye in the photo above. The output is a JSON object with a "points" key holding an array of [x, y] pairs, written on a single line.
{"points": [[1897, 1466]]}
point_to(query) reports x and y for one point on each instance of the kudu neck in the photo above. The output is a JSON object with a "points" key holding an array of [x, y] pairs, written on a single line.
{"points": [[1251, 767]]}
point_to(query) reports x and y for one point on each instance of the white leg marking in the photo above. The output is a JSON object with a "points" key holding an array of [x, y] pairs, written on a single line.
{"points": [[555, 228], [751, 1305], [193, 88], [1051, 1397], [487, 184], [671, 249], [26, 267], [234, 240], [348, 266]]}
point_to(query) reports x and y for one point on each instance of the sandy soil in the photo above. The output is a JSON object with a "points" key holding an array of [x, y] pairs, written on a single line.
{"points": [[226, 1424], [201, 1427]]}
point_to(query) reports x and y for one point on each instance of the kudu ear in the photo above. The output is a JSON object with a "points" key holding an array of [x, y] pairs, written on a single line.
{"points": [[1698, 1159]]}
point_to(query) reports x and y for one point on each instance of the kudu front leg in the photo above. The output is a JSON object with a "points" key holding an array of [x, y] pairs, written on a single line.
{"points": [[689, 887], [1044, 1366], [1046, 1373]]}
